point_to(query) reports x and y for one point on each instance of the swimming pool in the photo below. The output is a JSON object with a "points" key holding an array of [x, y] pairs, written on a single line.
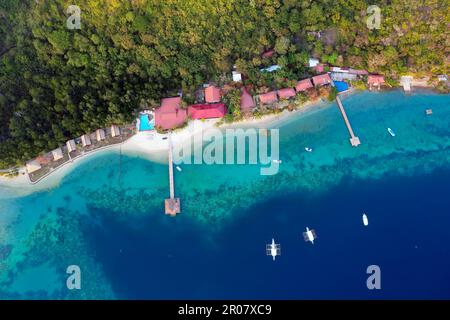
{"points": [[341, 86], [145, 124]]}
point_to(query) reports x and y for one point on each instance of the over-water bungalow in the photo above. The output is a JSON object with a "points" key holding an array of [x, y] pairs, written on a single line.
{"points": [[85, 140], [207, 111], [321, 80], [303, 85], [286, 93], [57, 154], [71, 146], [247, 102], [268, 98], [212, 94], [170, 115], [100, 135]]}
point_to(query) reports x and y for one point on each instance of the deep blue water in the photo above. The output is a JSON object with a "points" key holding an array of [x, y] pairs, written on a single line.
{"points": [[408, 238], [106, 216]]}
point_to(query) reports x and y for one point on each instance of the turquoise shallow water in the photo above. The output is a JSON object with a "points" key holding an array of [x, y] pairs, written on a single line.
{"points": [[106, 216]]}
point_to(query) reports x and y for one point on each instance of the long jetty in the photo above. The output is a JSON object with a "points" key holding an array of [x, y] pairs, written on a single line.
{"points": [[354, 140], [172, 205]]}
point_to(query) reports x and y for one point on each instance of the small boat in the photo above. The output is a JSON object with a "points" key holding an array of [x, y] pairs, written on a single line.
{"points": [[429, 112], [276, 161], [365, 220], [391, 132], [178, 168], [308, 149]]}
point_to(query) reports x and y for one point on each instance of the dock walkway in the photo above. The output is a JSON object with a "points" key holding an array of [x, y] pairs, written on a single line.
{"points": [[354, 140], [172, 205]]}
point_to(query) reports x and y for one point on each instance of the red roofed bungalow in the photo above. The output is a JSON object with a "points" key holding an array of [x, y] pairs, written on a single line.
{"points": [[212, 94], [303, 85], [268, 54], [170, 115], [319, 68], [286, 93], [207, 111], [321, 79], [247, 103], [269, 97], [375, 80]]}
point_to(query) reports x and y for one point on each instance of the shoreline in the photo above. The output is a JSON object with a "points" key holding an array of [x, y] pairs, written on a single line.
{"points": [[149, 145], [153, 146]]}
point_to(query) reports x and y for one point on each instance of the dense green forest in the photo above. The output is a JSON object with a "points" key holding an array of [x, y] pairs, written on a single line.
{"points": [[57, 83]]}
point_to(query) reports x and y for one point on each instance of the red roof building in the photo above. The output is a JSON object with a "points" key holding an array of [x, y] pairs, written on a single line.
{"points": [[303, 85], [321, 80], [268, 53], [319, 68], [286, 93], [375, 80], [212, 94], [269, 97], [207, 111], [247, 103], [358, 72], [170, 115]]}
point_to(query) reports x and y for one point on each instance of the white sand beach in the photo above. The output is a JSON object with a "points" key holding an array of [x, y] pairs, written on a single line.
{"points": [[149, 145]]}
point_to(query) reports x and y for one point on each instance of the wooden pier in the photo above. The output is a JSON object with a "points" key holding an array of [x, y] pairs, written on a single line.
{"points": [[354, 140], [172, 205]]}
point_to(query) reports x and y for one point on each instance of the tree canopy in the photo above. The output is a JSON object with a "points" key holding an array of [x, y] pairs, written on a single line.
{"points": [[57, 83]]}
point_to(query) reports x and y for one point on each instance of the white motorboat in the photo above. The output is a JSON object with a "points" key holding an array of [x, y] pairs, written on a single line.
{"points": [[391, 132], [365, 219]]}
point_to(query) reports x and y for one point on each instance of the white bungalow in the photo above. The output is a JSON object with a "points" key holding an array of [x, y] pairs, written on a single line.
{"points": [[115, 131], [86, 140], [33, 166], [100, 134], [71, 146], [57, 154], [313, 62], [237, 76]]}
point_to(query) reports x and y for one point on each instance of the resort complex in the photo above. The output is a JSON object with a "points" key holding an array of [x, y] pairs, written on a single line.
{"points": [[172, 113]]}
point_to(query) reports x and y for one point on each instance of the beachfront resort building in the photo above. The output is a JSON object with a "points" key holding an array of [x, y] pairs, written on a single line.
{"points": [[57, 154], [286, 93], [207, 111], [212, 94], [100, 135], [115, 131], [33, 166], [247, 102], [71, 146], [374, 80], [170, 114], [321, 80], [85, 140], [304, 85], [268, 98]]}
